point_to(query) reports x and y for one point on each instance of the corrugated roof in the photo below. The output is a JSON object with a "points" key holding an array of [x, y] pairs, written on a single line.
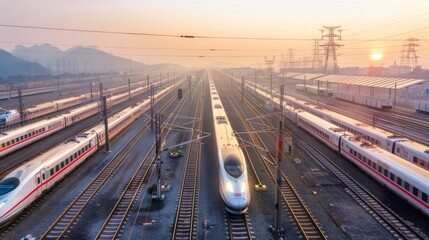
{"points": [[381, 82]]}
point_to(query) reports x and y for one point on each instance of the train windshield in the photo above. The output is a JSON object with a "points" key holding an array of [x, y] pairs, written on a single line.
{"points": [[233, 166], [8, 184]]}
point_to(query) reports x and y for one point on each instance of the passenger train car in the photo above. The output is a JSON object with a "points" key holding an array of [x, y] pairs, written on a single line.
{"points": [[15, 139], [403, 178], [26, 183], [232, 170], [400, 176], [403, 147]]}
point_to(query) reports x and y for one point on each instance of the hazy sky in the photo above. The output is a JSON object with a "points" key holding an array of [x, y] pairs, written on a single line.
{"points": [[388, 21]]}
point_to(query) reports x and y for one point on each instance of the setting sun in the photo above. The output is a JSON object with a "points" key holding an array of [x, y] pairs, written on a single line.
{"points": [[376, 56]]}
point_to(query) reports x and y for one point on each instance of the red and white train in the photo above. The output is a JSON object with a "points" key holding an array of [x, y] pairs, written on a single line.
{"points": [[402, 177], [15, 139], [26, 183], [232, 170], [405, 148]]}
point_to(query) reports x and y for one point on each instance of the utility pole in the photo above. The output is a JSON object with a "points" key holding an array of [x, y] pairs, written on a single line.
{"points": [[58, 84], [254, 88], [101, 96], [90, 88], [129, 88], [277, 230], [159, 195], [409, 55], [151, 94], [20, 106], [242, 89], [147, 82], [330, 48], [106, 127], [270, 62]]}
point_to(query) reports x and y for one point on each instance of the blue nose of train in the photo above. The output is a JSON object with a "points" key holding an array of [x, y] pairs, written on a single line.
{"points": [[238, 204]]}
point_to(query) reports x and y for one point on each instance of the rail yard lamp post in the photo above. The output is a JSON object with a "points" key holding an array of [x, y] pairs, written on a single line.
{"points": [[277, 231]]}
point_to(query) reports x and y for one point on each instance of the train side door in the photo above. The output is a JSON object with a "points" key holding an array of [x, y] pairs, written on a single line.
{"points": [[40, 179]]}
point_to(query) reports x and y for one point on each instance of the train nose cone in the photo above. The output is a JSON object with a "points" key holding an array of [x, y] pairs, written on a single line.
{"points": [[238, 203]]}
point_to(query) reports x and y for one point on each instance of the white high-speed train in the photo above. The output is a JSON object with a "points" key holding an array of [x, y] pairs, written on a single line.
{"points": [[26, 183], [232, 170], [403, 178], [15, 139], [403, 147]]}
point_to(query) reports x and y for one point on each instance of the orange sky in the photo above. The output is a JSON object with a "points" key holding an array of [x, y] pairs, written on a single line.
{"points": [[389, 21]]}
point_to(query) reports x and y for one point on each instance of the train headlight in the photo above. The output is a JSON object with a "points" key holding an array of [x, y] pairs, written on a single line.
{"points": [[229, 187], [243, 186]]}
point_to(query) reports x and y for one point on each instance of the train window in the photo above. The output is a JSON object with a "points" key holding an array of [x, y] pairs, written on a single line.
{"points": [[422, 163], [17, 140], [22, 138], [8, 143], [67, 161], [3, 145], [57, 168], [415, 159], [25, 135], [71, 158], [233, 166], [83, 150], [43, 177], [399, 181], [406, 186], [385, 173], [52, 171], [8, 184], [13, 141], [415, 191], [38, 180], [75, 155], [62, 164], [424, 197], [392, 176], [374, 165], [380, 169], [359, 156]]}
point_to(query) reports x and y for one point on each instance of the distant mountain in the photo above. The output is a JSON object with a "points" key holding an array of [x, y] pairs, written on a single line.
{"points": [[13, 66], [76, 59]]}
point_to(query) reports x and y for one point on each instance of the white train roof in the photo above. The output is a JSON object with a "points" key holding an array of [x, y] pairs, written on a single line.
{"points": [[27, 128], [407, 169], [322, 123], [224, 132]]}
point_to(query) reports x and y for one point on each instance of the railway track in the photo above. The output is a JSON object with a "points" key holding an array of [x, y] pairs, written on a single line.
{"points": [[111, 228], [239, 227], [307, 224], [61, 227], [387, 218], [185, 224]]}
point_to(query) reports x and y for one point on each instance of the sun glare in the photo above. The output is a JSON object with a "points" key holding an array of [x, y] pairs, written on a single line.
{"points": [[376, 56]]}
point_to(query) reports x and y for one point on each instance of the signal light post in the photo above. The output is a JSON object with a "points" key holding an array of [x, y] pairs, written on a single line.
{"points": [[277, 230]]}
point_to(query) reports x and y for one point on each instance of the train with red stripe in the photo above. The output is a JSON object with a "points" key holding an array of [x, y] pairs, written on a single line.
{"points": [[58, 105], [403, 147], [18, 138], [232, 170], [403, 178], [26, 183], [400, 175]]}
